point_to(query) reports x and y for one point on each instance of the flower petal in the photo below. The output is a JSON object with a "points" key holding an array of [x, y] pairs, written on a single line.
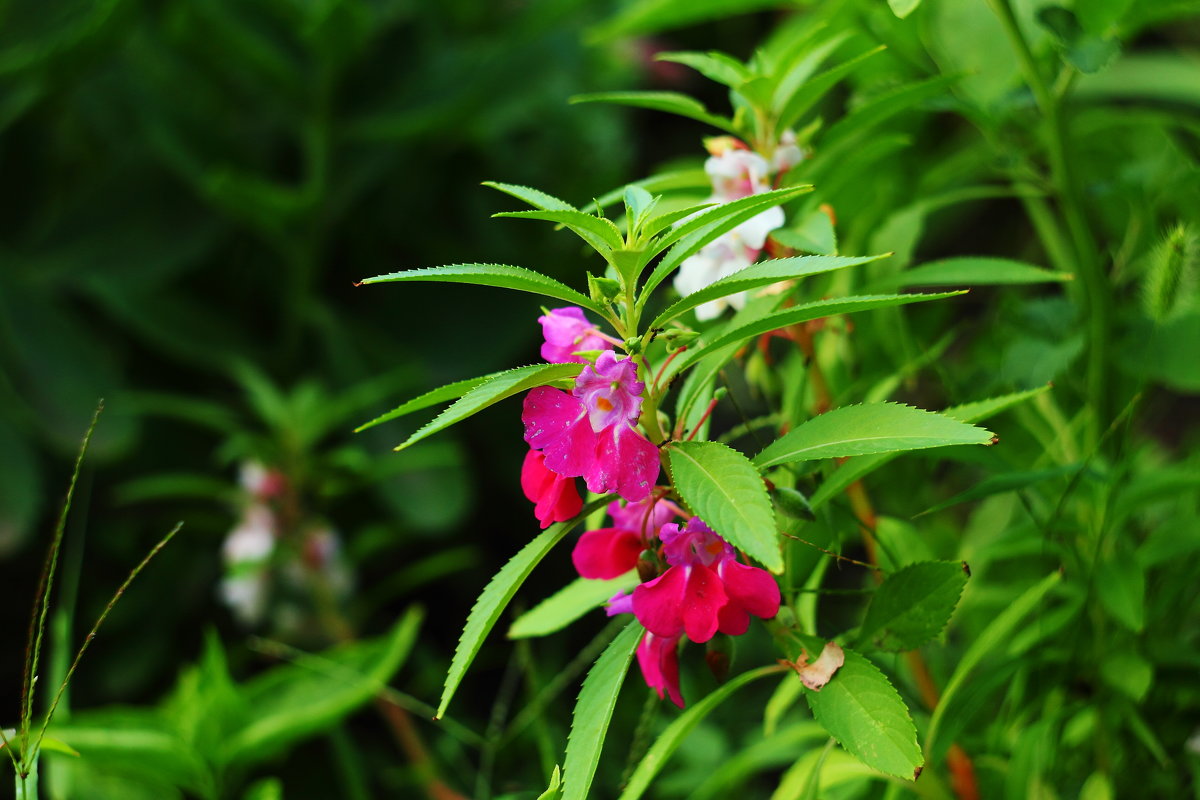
{"points": [[658, 656], [556, 424], [606, 553], [626, 462], [658, 603], [750, 587]]}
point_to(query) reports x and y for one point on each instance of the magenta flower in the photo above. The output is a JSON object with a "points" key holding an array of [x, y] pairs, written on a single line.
{"points": [[611, 552], [589, 433], [705, 589], [555, 498], [567, 331], [658, 656]]}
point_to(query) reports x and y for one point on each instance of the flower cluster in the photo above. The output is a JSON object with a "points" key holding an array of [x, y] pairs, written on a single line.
{"points": [[273, 562], [704, 589], [694, 585], [588, 433], [736, 172]]}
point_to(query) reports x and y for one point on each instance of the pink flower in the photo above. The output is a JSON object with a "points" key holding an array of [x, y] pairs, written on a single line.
{"points": [[567, 331], [658, 656], [611, 552], [589, 433], [705, 589], [555, 498]]}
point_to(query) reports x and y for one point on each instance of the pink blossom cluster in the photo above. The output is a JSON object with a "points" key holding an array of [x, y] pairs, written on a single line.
{"points": [[703, 590], [588, 433]]}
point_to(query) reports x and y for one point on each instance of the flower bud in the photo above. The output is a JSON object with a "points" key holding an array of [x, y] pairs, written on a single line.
{"points": [[603, 290], [718, 654], [647, 566]]}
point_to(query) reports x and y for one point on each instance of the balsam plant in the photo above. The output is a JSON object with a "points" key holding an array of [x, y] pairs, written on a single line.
{"points": [[627, 403]]}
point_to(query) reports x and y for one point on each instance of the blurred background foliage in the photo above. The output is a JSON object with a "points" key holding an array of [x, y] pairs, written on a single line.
{"points": [[192, 190]]}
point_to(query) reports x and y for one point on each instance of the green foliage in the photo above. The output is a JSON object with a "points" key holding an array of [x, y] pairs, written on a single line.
{"points": [[723, 487], [496, 597], [913, 605], [863, 711], [594, 710], [492, 391], [670, 739], [500, 275], [867, 429], [756, 275], [567, 605]]}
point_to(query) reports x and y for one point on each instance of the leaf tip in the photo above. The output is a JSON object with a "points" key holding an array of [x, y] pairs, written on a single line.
{"points": [[917, 772]]}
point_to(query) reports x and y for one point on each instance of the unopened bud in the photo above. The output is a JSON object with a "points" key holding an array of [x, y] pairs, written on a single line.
{"points": [[718, 654], [603, 290], [793, 503], [679, 337], [647, 566]]}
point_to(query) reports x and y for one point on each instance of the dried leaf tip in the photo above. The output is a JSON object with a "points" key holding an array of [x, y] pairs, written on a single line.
{"points": [[820, 672]]}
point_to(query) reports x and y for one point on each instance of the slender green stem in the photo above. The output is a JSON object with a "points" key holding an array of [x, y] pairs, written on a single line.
{"points": [[62, 687], [1098, 307], [26, 784], [41, 603]]}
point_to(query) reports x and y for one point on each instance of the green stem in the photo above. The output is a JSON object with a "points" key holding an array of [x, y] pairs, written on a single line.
{"points": [[1098, 301], [27, 785]]}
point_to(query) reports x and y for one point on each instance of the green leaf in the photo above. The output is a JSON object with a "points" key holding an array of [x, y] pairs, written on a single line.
{"points": [[1085, 51], [761, 274], [140, 742], [533, 197], [638, 203], [698, 231], [850, 130], [497, 595], [695, 179], [501, 275], [805, 313], [812, 234], [792, 108], [491, 391], [451, 391], [594, 710], [1121, 585], [1164, 353], [858, 468], [568, 604], [913, 605], [298, 700], [661, 222], [599, 232], [726, 491], [653, 16], [671, 102], [713, 65], [555, 786], [997, 484], [864, 712], [998, 632], [670, 739], [972, 271], [902, 8], [869, 428]]}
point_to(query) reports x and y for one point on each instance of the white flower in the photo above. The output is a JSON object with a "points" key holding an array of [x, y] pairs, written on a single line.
{"points": [[787, 153], [737, 173], [246, 595], [715, 260], [252, 540]]}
